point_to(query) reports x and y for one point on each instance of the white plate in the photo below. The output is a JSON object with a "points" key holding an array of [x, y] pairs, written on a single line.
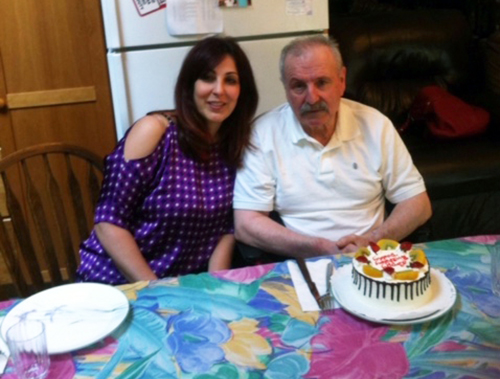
{"points": [[443, 298], [75, 315]]}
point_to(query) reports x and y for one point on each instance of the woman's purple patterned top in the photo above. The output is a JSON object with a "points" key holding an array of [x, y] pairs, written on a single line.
{"points": [[176, 208]]}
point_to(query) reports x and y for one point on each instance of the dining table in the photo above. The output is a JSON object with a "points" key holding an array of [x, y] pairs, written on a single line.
{"points": [[248, 323]]}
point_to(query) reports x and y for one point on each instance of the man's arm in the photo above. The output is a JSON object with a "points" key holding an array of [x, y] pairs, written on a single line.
{"points": [[257, 229], [403, 220]]}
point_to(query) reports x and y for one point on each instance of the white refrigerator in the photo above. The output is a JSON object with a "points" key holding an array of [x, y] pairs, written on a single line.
{"points": [[144, 59]]}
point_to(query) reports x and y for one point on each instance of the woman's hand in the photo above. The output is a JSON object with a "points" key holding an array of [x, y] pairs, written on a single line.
{"points": [[223, 254]]}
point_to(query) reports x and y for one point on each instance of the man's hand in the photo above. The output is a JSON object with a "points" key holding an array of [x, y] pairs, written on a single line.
{"points": [[351, 243], [257, 229], [404, 219]]}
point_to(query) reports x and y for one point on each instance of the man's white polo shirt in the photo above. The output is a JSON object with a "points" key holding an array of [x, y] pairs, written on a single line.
{"points": [[328, 191]]}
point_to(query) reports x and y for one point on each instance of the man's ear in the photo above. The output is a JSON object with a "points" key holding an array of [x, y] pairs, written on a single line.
{"points": [[343, 78]]}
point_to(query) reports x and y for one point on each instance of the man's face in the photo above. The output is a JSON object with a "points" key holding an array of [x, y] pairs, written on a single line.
{"points": [[314, 85]]}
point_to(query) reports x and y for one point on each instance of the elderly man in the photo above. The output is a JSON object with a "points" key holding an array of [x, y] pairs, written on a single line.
{"points": [[325, 164]]}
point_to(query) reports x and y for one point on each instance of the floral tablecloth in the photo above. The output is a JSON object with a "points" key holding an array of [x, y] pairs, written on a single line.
{"points": [[247, 323]]}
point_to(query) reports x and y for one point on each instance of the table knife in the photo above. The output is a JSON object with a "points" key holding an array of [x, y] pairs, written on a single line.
{"points": [[307, 277]]}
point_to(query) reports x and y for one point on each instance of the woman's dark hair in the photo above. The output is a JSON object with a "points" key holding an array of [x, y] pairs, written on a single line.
{"points": [[234, 133]]}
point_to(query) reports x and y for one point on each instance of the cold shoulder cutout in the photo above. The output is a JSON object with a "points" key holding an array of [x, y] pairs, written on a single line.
{"points": [[145, 136]]}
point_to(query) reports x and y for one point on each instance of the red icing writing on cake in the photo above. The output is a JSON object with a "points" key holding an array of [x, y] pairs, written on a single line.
{"points": [[391, 260]]}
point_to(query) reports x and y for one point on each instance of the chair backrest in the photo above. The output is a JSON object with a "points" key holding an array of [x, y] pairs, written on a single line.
{"points": [[50, 194]]}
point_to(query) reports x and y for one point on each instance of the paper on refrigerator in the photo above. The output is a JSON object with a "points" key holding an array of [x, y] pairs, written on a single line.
{"points": [[186, 17], [145, 7], [298, 7]]}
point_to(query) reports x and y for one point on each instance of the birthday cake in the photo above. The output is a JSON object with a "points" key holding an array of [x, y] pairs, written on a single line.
{"points": [[390, 274]]}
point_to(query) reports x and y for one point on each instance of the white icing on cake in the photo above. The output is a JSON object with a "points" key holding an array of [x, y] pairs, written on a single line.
{"points": [[387, 290]]}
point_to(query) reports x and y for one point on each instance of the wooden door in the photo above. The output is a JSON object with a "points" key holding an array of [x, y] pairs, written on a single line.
{"points": [[54, 83]]}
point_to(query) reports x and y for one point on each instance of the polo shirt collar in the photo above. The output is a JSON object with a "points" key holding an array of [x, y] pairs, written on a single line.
{"points": [[297, 134]]}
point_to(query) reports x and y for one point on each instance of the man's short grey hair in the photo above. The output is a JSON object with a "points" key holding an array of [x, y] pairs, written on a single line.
{"points": [[299, 45]]}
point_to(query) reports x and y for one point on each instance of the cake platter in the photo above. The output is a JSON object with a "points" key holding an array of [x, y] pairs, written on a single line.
{"points": [[443, 297]]}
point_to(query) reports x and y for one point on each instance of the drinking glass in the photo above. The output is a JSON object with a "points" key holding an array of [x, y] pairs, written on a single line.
{"points": [[495, 267], [28, 349]]}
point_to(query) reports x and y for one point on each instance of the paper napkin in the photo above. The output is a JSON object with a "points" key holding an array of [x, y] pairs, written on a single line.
{"points": [[317, 269]]}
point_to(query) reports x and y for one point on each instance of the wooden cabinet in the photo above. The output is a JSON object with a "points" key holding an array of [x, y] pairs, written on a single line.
{"points": [[53, 77], [54, 82]]}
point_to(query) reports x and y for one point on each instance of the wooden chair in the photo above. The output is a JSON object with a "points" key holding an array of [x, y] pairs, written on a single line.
{"points": [[50, 195]]}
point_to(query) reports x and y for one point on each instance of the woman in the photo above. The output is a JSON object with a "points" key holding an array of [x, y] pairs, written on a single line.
{"points": [[165, 207]]}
